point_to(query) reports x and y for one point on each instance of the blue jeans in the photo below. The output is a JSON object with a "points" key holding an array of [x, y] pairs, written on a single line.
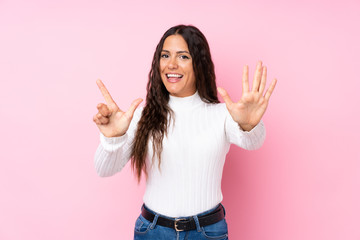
{"points": [[145, 229]]}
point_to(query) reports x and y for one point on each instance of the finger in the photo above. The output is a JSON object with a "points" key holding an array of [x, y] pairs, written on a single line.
{"points": [[102, 119], [96, 120], [245, 79], [270, 89], [104, 110], [109, 100], [130, 112], [263, 81], [257, 77], [225, 96]]}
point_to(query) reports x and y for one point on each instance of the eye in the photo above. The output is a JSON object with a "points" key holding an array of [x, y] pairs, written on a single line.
{"points": [[164, 55], [184, 57]]}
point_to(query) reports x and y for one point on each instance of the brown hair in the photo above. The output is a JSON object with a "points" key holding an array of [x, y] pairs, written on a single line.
{"points": [[154, 120]]}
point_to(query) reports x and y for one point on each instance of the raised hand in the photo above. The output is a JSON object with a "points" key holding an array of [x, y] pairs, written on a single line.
{"points": [[111, 121], [248, 111]]}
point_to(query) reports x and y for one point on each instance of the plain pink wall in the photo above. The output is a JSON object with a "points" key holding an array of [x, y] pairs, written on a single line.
{"points": [[303, 183]]}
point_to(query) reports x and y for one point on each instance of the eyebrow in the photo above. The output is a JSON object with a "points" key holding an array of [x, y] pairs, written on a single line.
{"points": [[176, 52]]}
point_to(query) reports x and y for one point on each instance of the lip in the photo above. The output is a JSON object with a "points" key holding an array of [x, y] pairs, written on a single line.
{"points": [[173, 79]]}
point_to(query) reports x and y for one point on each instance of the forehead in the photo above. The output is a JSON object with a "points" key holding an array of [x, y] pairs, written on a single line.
{"points": [[174, 43]]}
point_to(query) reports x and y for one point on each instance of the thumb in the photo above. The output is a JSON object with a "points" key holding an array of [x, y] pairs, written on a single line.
{"points": [[225, 96], [130, 112]]}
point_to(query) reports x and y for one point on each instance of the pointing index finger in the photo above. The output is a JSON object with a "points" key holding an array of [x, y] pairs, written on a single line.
{"points": [[105, 93], [110, 102]]}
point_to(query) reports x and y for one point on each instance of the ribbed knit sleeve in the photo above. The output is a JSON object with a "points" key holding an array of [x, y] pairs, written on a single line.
{"points": [[249, 140], [113, 153]]}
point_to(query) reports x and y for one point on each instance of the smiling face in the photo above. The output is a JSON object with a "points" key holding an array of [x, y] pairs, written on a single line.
{"points": [[176, 67]]}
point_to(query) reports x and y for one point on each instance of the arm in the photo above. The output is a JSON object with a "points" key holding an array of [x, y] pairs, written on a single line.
{"points": [[117, 129], [113, 153], [249, 140], [243, 124]]}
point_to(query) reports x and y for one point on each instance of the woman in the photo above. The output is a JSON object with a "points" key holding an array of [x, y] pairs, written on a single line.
{"points": [[180, 138]]}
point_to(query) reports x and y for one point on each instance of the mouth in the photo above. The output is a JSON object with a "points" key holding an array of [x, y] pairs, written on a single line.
{"points": [[173, 77]]}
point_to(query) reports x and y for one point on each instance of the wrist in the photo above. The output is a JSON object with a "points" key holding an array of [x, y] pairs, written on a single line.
{"points": [[246, 127]]}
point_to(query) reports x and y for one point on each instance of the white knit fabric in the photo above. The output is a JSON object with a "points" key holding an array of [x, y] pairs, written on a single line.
{"points": [[193, 156]]}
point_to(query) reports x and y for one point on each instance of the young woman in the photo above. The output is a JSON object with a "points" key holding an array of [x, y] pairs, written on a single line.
{"points": [[180, 138]]}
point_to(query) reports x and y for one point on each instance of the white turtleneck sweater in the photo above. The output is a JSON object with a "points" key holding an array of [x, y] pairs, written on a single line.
{"points": [[192, 159]]}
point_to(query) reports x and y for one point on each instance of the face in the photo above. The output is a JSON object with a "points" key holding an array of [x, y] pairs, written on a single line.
{"points": [[176, 67]]}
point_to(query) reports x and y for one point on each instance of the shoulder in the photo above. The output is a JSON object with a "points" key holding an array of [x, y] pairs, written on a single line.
{"points": [[216, 112], [216, 107], [137, 113], [138, 110]]}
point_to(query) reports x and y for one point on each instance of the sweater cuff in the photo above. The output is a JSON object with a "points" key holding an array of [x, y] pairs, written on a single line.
{"points": [[111, 144], [255, 135], [254, 129], [250, 140]]}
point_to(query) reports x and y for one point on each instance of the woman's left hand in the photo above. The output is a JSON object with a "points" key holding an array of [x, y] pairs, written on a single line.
{"points": [[248, 111]]}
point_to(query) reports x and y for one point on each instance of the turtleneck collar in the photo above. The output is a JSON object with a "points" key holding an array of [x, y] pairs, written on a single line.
{"points": [[178, 103]]}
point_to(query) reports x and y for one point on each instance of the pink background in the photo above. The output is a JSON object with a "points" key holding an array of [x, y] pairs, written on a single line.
{"points": [[304, 183]]}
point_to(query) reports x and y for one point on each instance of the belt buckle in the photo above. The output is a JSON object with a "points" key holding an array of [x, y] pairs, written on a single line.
{"points": [[176, 221]]}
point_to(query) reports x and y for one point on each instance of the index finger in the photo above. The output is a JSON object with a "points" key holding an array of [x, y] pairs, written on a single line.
{"points": [[105, 92], [245, 79]]}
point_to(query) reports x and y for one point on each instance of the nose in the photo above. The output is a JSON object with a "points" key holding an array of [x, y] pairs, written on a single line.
{"points": [[172, 63]]}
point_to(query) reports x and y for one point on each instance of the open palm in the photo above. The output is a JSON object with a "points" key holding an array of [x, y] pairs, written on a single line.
{"points": [[248, 111]]}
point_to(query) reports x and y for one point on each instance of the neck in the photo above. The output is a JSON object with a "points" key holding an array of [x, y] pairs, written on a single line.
{"points": [[177, 103]]}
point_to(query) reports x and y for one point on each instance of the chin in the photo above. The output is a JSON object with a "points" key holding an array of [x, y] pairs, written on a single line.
{"points": [[173, 92]]}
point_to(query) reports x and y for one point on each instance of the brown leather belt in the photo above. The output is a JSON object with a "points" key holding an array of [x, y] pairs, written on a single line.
{"points": [[188, 223]]}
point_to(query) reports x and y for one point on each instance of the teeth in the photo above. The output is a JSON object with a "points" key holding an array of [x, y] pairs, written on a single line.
{"points": [[174, 75]]}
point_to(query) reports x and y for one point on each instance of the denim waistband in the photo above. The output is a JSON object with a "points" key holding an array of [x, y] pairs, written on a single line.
{"points": [[186, 217]]}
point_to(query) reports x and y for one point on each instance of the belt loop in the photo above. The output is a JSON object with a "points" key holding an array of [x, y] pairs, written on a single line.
{"points": [[153, 224], [224, 209], [197, 223]]}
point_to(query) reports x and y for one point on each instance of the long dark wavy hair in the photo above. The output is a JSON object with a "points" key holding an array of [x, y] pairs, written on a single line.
{"points": [[154, 120]]}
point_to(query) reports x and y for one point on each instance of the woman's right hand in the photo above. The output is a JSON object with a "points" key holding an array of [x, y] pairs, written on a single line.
{"points": [[111, 121]]}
